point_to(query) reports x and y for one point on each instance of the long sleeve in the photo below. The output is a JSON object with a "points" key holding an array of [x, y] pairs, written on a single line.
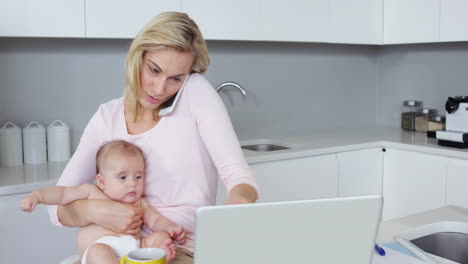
{"points": [[218, 135]]}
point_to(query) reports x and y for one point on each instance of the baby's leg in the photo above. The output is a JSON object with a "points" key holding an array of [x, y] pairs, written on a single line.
{"points": [[160, 240], [101, 254]]}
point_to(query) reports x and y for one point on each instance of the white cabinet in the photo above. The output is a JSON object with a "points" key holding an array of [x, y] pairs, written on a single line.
{"points": [[294, 179], [229, 19], [356, 21], [45, 18], [412, 182], [411, 21], [360, 172], [121, 18], [335, 21], [295, 20], [297, 179], [457, 182], [31, 238], [453, 20]]}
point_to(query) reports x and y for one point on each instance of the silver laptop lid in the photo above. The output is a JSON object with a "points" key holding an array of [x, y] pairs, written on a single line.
{"points": [[336, 230]]}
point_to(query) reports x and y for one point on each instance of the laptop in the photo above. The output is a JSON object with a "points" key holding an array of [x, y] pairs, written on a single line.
{"points": [[335, 231]]}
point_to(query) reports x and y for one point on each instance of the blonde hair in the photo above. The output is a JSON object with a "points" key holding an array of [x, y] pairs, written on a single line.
{"points": [[169, 29], [119, 146]]}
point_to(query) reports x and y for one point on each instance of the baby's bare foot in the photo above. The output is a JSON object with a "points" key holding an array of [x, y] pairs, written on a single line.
{"points": [[161, 240], [170, 249]]}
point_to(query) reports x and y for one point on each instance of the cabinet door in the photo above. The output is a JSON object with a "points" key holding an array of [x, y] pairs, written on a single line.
{"points": [[31, 238], [360, 172], [45, 18], [356, 21], [453, 20], [225, 20], [412, 182], [295, 20], [121, 18], [411, 21], [297, 179], [457, 182]]}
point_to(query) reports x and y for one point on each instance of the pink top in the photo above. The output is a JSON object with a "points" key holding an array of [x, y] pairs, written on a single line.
{"points": [[184, 154]]}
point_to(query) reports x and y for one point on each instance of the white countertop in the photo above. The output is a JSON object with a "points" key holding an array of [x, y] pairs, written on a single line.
{"points": [[25, 178], [21, 179], [340, 140], [388, 229]]}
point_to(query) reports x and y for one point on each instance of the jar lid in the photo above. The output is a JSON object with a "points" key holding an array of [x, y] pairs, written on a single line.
{"points": [[57, 125], [33, 127], [10, 128], [427, 111], [437, 118], [412, 103]]}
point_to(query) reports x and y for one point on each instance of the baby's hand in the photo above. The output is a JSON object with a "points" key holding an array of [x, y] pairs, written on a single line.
{"points": [[28, 204], [178, 234]]}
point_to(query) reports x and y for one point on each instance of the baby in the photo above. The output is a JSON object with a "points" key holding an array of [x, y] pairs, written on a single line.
{"points": [[120, 177]]}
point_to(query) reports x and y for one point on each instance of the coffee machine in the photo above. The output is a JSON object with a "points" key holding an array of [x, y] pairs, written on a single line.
{"points": [[456, 127]]}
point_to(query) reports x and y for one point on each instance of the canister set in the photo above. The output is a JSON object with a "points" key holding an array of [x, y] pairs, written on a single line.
{"points": [[415, 117], [34, 144]]}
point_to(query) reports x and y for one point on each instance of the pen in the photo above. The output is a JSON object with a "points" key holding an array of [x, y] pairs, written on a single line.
{"points": [[379, 250]]}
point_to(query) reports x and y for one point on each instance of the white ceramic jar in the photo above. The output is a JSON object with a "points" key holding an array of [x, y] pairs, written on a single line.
{"points": [[58, 141], [34, 143], [11, 145]]}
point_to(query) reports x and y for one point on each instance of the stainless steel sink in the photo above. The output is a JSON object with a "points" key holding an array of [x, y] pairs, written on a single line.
{"points": [[264, 147], [449, 245], [438, 241]]}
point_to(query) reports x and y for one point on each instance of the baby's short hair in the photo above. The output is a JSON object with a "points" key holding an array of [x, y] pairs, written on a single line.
{"points": [[122, 146]]}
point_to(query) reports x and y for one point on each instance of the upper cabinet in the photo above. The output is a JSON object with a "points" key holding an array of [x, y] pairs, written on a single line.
{"points": [[411, 21], [122, 18], [45, 18], [295, 20], [453, 20], [336, 21], [373, 22], [225, 20], [356, 21]]}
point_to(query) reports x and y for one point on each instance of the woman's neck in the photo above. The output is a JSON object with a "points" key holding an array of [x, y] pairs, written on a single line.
{"points": [[145, 121]]}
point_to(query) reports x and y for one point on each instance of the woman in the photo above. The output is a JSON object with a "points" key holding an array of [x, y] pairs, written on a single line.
{"points": [[184, 151]]}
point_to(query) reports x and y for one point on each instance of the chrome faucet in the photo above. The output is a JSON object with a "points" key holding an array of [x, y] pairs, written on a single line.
{"points": [[233, 84]]}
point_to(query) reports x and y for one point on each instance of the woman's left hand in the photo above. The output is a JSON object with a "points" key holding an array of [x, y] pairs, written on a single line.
{"points": [[241, 194]]}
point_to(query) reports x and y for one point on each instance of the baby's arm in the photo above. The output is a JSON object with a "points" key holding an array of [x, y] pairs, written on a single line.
{"points": [[157, 222], [56, 195]]}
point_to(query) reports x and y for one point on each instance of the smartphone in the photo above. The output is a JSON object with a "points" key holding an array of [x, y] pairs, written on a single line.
{"points": [[168, 106]]}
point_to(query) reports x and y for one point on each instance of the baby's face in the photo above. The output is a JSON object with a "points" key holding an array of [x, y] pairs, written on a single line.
{"points": [[123, 177]]}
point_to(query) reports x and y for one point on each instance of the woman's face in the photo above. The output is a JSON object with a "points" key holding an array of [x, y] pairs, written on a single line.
{"points": [[162, 74]]}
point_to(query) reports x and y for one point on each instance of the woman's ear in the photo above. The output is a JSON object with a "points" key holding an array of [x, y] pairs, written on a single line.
{"points": [[100, 181]]}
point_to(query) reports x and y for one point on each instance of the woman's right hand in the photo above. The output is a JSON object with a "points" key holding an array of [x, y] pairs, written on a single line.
{"points": [[117, 217]]}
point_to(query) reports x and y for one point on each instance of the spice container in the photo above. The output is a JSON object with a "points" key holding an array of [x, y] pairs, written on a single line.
{"points": [[409, 111], [422, 118], [436, 123]]}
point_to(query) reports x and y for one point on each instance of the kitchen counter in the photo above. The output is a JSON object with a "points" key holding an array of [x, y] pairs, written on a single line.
{"points": [[388, 229], [26, 178], [341, 140]]}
